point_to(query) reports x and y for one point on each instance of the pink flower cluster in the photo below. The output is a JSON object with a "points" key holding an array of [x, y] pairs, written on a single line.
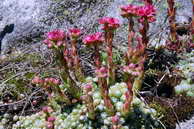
{"points": [[146, 12], [93, 38], [46, 81], [55, 38], [109, 23], [129, 10]]}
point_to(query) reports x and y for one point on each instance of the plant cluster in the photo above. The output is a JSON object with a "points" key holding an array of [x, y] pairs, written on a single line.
{"points": [[105, 101], [109, 100]]}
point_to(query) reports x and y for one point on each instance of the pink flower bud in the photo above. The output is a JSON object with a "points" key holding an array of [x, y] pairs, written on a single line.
{"points": [[51, 119], [46, 80], [56, 81], [47, 109], [49, 45], [115, 119], [74, 101], [83, 97], [75, 33], [49, 125], [46, 41], [102, 72], [34, 102], [59, 43], [36, 80], [88, 87]]}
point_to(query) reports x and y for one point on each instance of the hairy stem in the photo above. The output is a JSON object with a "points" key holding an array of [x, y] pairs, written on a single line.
{"points": [[172, 16], [97, 56], [111, 70], [104, 92]]}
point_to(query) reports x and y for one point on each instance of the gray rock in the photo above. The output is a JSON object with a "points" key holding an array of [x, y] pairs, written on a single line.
{"points": [[32, 18], [24, 14]]}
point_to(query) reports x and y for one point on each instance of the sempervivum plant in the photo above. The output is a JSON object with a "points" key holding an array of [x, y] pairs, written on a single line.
{"points": [[66, 57], [80, 117], [187, 85], [110, 24], [103, 101]]}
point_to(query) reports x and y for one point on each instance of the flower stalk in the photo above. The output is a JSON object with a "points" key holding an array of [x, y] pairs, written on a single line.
{"points": [[129, 97], [88, 100], [192, 25], [102, 75], [94, 40], [51, 85], [172, 16], [174, 43], [56, 40], [49, 119], [74, 34], [111, 69], [109, 26], [115, 122]]}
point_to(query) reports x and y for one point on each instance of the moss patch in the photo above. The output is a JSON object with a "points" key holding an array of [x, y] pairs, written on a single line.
{"points": [[172, 110]]}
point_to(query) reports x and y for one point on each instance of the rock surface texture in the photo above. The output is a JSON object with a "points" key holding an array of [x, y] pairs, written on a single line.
{"points": [[33, 18]]}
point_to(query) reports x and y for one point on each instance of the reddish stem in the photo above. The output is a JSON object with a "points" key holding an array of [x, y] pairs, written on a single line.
{"points": [[109, 39], [97, 56], [74, 52], [148, 1], [131, 24], [192, 24], [172, 16], [144, 31], [104, 93], [129, 97]]}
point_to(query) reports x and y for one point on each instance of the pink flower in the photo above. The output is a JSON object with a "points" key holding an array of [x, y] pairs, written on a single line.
{"points": [[75, 33], [56, 35], [129, 10], [109, 23], [102, 72], [93, 38], [147, 12]]}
